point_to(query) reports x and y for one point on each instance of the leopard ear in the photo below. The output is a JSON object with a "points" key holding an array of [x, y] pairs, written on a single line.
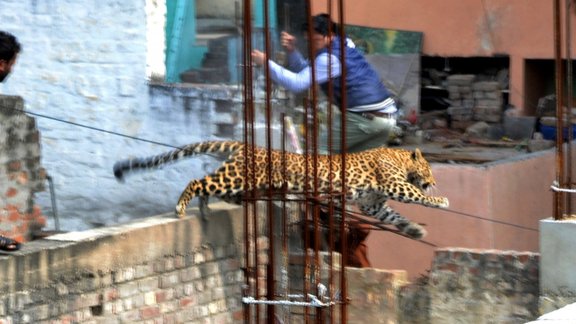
{"points": [[417, 155]]}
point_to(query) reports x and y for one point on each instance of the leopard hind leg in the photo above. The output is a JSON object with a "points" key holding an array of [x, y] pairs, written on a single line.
{"points": [[196, 188], [204, 189], [384, 213]]}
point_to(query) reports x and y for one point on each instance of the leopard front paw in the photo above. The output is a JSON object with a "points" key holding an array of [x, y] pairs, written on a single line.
{"points": [[443, 203]]}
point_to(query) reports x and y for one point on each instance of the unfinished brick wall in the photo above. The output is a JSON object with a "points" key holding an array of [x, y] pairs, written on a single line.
{"points": [[21, 174], [496, 286], [474, 286]]}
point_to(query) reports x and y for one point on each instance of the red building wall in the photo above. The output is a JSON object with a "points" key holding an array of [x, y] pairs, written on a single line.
{"points": [[521, 29]]}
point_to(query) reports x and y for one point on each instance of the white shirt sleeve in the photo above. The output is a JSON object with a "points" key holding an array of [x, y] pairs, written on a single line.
{"points": [[302, 80]]}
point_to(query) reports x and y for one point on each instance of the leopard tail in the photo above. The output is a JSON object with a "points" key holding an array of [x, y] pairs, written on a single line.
{"points": [[130, 165]]}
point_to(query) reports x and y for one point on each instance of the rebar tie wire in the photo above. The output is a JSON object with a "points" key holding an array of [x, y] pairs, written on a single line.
{"points": [[556, 187], [314, 300]]}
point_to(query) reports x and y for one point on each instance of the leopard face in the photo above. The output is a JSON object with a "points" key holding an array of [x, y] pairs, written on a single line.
{"points": [[420, 174]]}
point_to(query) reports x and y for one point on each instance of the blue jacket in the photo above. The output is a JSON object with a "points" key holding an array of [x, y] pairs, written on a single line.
{"points": [[363, 85]]}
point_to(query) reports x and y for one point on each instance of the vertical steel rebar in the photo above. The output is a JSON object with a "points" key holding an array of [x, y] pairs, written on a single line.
{"points": [[310, 149], [270, 275], [343, 98], [251, 209], [559, 202], [569, 94]]}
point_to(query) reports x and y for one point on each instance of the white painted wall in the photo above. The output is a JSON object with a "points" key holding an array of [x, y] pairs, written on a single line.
{"points": [[85, 61], [155, 35]]}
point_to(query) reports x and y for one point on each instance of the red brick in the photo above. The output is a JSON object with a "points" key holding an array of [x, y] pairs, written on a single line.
{"points": [[442, 254], [474, 271], [41, 174], [160, 296], [449, 267], [111, 294], [33, 137], [66, 319], [14, 166], [149, 312], [18, 237], [36, 211], [11, 208], [169, 319], [238, 316], [523, 258], [14, 215], [22, 228], [187, 301], [179, 262], [11, 192], [22, 177]]}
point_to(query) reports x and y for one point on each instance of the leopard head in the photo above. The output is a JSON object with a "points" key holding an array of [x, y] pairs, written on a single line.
{"points": [[419, 172]]}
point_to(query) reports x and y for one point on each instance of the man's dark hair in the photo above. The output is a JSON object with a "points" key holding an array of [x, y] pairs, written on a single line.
{"points": [[9, 46], [322, 24]]}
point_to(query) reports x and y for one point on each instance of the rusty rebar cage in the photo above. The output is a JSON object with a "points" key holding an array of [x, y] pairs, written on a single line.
{"points": [[288, 279], [563, 185]]}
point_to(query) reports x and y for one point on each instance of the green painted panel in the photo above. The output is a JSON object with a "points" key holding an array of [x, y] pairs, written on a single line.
{"points": [[181, 52], [385, 41]]}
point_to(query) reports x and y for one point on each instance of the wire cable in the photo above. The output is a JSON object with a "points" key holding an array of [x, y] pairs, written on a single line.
{"points": [[96, 128], [491, 220]]}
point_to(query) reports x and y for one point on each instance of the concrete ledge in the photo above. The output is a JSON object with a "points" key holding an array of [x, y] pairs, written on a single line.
{"points": [[105, 249]]}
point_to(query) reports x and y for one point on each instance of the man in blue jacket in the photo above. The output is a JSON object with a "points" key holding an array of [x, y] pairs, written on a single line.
{"points": [[369, 108]]}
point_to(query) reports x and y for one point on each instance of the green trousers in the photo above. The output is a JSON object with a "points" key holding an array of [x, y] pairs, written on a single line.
{"points": [[361, 133]]}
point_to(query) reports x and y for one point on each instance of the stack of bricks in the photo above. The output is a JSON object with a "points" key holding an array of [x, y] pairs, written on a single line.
{"points": [[473, 100], [20, 172], [460, 94], [488, 101]]}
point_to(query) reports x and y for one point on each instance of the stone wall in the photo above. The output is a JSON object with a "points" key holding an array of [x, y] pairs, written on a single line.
{"points": [[21, 173]]}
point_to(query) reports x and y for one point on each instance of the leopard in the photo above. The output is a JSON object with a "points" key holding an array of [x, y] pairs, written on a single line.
{"points": [[371, 177]]}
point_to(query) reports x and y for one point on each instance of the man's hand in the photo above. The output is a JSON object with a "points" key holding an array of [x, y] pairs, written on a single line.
{"points": [[258, 57], [288, 41]]}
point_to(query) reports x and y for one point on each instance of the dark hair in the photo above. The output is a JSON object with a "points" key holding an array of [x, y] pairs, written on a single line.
{"points": [[9, 46], [322, 24]]}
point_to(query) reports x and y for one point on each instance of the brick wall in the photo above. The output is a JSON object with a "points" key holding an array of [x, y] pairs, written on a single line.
{"points": [[167, 270], [483, 286], [159, 270], [21, 174]]}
